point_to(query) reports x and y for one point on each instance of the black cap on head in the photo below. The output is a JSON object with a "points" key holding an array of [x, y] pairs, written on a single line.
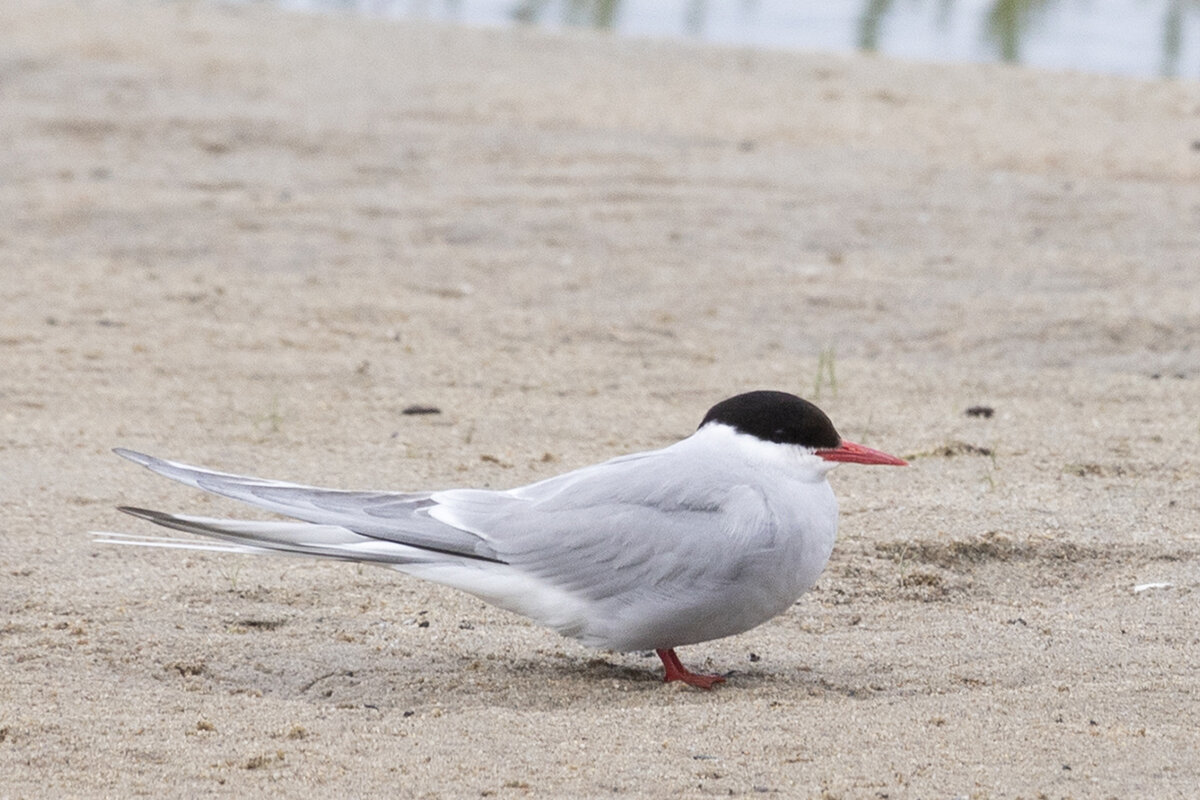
{"points": [[776, 417]]}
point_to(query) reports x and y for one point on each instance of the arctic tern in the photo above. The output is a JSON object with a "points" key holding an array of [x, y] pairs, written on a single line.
{"points": [[703, 539]]}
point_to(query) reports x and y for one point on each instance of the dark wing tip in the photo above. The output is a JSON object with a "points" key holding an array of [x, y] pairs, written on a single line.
{"points": [[141, 513]]}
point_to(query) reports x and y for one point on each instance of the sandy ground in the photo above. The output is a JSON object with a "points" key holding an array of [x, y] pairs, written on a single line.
{"points": [[250, 240]]}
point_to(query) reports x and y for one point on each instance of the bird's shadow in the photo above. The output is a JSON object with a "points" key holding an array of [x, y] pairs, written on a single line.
{"points": [[543, 681], [522, 683]]}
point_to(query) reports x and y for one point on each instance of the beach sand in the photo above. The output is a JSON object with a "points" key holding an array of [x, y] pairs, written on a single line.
{"points": [[249, 240]]}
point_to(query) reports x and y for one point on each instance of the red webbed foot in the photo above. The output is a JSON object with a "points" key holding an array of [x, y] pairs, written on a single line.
{"points": [[676, 671]]}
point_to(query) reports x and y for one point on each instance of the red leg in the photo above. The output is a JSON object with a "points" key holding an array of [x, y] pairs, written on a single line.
{"points": [[678, 672]]}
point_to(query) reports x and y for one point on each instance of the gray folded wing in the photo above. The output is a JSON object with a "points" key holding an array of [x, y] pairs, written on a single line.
{"points": [[634, 524]]}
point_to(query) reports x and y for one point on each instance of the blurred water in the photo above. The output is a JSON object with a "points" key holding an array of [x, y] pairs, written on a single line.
{"points": [[1144, 38]]}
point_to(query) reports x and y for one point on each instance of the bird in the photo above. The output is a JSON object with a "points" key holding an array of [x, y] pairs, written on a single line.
{"points": [[703, 539]]}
